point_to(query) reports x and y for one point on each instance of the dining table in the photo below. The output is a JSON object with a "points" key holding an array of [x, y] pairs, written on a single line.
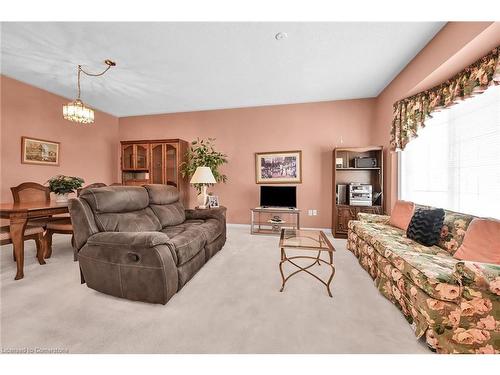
{"points": [[18, 215]]}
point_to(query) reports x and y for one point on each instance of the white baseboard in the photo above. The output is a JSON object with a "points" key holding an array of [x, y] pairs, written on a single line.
{"points": [[326, 230], [238, 225]]}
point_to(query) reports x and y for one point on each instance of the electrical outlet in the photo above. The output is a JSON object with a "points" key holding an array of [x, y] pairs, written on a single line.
{"points": [[310, 213]]}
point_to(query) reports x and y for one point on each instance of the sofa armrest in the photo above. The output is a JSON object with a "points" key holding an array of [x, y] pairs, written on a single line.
{"points": [[134, 265], [373, 218], [478, 276], [218, 213], [82, 219], [132, 243], [129, 240]]}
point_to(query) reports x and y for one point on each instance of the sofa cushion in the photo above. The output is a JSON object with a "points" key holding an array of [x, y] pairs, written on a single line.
{"points": [[401, 214], [169, 214], [174, 230], [454, 227], [378, 234], [116, 199], [162, 194], [121, 209], [425, 226], [481, 242], [136, 221], [164, 201], [212, 229], [430, 268], [187, 240]]}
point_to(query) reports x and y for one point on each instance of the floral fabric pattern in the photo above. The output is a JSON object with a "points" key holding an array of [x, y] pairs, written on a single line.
{"points": [[430, 268], [409, 114], [373, 218], [455, 304], [454, 227]]}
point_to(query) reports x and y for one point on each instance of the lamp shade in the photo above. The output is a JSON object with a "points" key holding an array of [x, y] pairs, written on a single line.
{"points": [[203, 175]]}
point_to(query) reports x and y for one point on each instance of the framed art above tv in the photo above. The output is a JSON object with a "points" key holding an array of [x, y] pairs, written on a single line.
{"points": [[279, 167]]}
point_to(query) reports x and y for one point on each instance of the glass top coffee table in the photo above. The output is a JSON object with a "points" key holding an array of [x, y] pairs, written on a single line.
{"points": [[306, 241]]}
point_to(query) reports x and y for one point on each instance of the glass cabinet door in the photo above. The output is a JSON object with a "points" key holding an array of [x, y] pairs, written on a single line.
{"points": [[128, 156], [171, 164], [157, 163], [141, 157]]}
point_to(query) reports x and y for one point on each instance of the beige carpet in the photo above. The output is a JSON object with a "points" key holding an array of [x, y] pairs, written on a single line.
{"points": [[233, 305]]}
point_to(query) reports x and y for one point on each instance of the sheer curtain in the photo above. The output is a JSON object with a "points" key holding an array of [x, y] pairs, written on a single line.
{"points": [[455, 161]]}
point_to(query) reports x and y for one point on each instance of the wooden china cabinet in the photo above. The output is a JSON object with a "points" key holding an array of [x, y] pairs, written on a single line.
{"points": [[347, 172], [155, 161]]}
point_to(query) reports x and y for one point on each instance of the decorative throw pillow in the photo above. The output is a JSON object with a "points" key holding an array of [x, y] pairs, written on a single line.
{"points": [[481, 242], [454, 227], [401, 214], [425, 226]]}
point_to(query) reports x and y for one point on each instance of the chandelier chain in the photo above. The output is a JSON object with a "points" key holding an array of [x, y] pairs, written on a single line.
{"points": [[81, 70]]}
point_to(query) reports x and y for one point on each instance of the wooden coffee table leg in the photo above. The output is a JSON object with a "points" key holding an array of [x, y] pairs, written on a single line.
{"points": [[17, 226]]}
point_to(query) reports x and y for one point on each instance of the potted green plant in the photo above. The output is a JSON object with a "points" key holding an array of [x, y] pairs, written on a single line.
{"points": [[63, 185], [202, 153]]}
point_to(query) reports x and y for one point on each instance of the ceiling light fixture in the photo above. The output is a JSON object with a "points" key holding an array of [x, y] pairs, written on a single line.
{"points": [[281, 35], [76, 111]]}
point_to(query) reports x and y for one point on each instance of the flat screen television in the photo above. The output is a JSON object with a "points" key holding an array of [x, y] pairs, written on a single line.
{"points": [[278, 196]]}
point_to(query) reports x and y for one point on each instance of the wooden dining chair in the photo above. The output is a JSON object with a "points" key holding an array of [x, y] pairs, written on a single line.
{"points": [[30, 192], [33, 192], [94, 185], [32, 232]]}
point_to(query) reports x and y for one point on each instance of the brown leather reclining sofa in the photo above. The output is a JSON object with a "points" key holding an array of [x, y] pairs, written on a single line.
{"points": [[140, 243]]}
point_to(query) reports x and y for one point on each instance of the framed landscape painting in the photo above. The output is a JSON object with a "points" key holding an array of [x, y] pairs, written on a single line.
{"points": [[281, 167], [39, 151]]}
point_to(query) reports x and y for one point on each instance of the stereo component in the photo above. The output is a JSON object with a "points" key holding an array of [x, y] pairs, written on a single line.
{"points": [[360, 194], [363, 162]]}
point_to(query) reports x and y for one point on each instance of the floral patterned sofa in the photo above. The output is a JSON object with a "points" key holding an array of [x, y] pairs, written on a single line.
{"points": [[454, 303]]}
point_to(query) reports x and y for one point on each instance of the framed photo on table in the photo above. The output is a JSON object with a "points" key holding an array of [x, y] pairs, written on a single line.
{"points": [[213, 201], [39, 151], [281, 167]]}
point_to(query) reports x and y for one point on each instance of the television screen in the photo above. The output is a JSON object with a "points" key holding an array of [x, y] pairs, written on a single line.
{"points": [[278, 196]]}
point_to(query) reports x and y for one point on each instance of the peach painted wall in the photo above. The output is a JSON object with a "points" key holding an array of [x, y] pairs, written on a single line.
{"points": [[92, 152], [314, 128], [457, 45], [87, 151]]}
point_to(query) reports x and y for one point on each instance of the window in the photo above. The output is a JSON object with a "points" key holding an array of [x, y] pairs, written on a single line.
{"points": [[455, 161]]}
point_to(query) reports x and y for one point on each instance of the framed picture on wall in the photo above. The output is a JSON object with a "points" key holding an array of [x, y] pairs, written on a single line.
{"points": [[39, 151], [280, 167]]}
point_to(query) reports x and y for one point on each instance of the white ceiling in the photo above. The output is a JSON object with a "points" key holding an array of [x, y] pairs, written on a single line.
{"points": [[176, 67]]}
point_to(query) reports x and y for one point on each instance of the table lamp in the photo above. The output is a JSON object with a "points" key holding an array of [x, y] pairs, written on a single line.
{"points": [[203, 176]]}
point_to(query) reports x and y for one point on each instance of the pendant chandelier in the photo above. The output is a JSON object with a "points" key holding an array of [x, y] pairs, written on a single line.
{"points": [[77, 111]]}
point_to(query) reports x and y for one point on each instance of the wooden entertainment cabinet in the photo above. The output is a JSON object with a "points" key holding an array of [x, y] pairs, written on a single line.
{"points": [[347, 174], [155, 161]]}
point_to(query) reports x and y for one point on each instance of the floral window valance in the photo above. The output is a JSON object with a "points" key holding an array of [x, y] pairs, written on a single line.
{"points": [[409, 114]]}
